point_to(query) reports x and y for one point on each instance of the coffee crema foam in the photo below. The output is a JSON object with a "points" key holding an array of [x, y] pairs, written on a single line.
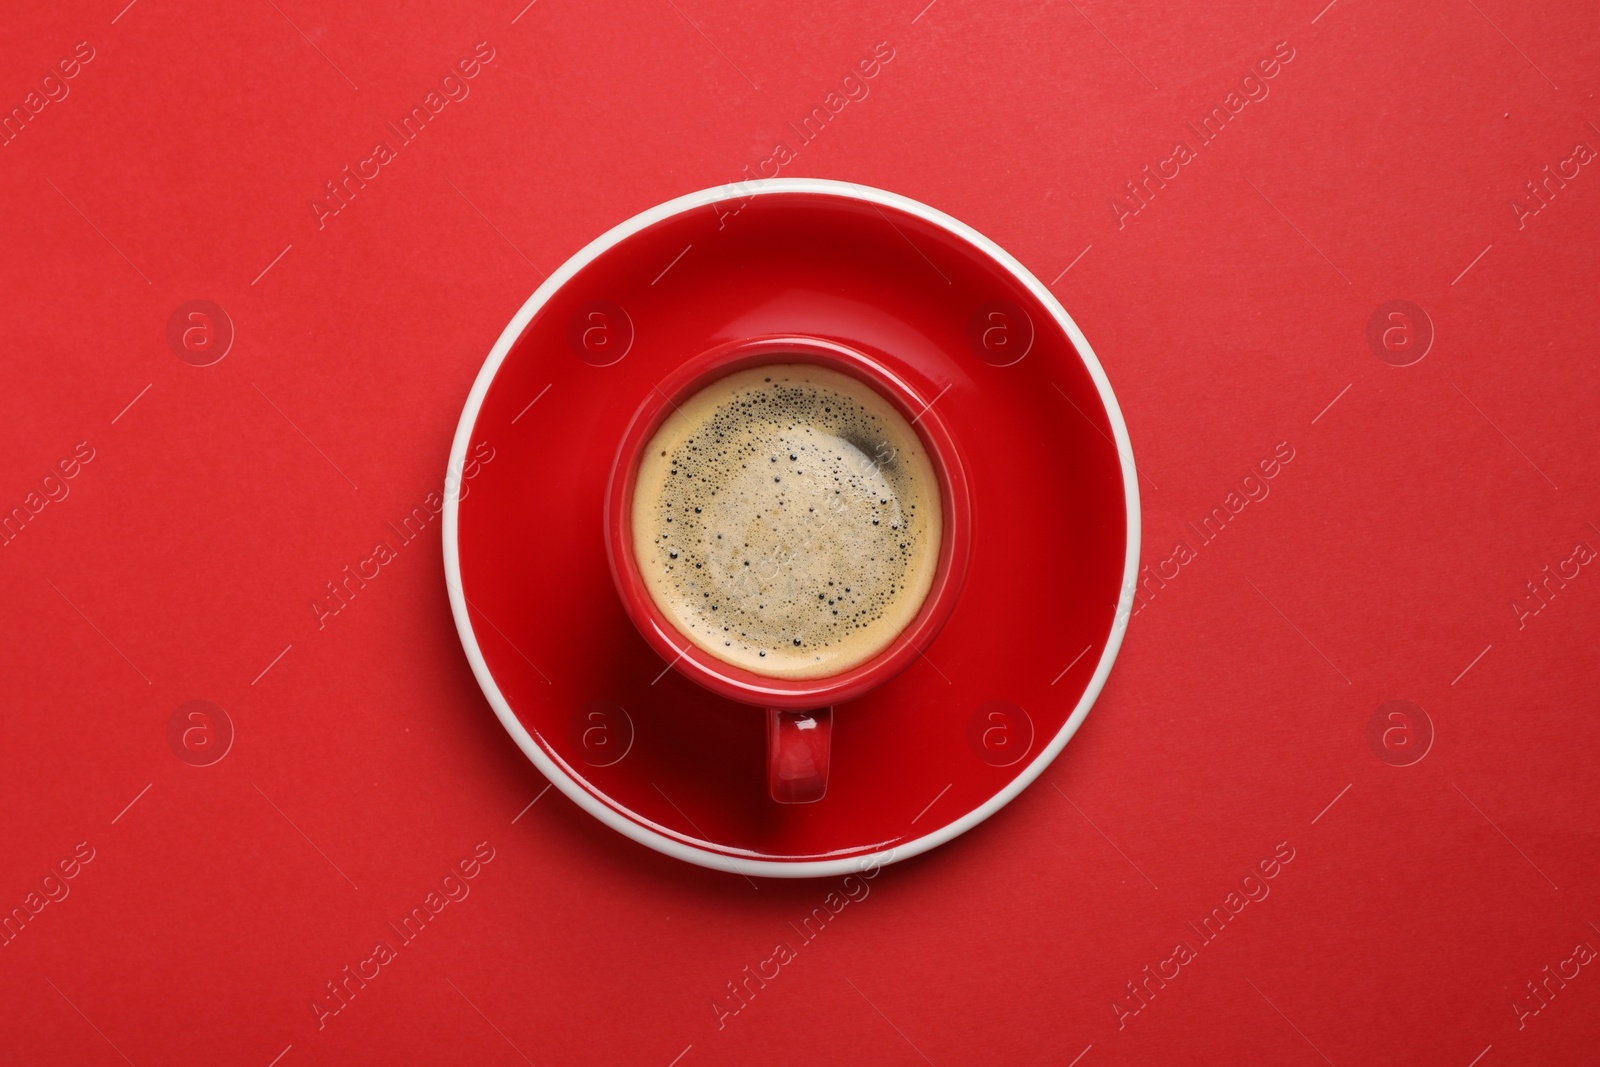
{"points": [[786, 519]]}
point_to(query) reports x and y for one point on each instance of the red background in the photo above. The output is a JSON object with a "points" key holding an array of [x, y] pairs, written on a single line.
{"points": [[1229, 313]]}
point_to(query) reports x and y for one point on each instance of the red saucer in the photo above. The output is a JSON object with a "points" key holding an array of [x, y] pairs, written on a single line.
{"points": [[1054, 504]]}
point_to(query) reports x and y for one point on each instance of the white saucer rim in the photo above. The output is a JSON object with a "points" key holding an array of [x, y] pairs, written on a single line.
{"points": [[452, 562]]}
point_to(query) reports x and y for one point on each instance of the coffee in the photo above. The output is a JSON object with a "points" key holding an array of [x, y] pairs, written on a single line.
{"points": [[786, 519]]}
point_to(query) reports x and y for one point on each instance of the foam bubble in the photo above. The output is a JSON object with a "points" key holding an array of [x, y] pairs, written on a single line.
{"points": [[786, 519]]}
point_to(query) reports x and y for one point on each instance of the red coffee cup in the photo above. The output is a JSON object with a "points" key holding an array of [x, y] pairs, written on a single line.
{"points": [[799, 711]]}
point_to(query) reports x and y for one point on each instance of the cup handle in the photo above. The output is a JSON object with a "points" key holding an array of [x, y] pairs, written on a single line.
{"points": [[798, 745]]}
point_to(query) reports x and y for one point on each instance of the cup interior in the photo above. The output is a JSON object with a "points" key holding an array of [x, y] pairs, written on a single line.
{"points": [[725, 678]]}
